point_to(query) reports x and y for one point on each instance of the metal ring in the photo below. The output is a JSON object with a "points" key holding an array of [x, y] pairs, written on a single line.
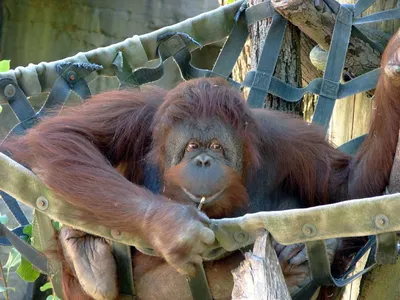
{"points": [[42, 203], [381, 221], [309, 230], [116, 234], [72, 77], [241, 237], [10, 90]]}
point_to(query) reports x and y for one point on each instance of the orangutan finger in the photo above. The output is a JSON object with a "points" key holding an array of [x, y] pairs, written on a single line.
{"points": [[207, 236]]}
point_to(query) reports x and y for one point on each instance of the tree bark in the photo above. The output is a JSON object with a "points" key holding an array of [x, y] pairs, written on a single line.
{"points": [[260, 276], [288, 67], [318, 23]]}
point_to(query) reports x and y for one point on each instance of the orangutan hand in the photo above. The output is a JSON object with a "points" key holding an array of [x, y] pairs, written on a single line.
{"points": [[91, 259], [179, 233], [294, 263]]}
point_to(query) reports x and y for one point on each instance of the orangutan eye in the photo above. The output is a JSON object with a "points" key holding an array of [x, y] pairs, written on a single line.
{"points": [[216, 147], [192, 146]]}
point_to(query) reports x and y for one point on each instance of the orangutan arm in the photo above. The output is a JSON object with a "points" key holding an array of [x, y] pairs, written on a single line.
{"points": [[75, 155]]}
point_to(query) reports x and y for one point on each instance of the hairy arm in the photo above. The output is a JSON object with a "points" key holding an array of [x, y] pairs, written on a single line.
{"points": [[301, 159], [370, 169], [76, 153]]}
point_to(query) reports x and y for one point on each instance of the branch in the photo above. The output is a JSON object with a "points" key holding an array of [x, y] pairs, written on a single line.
{"points": [[318, 23]]}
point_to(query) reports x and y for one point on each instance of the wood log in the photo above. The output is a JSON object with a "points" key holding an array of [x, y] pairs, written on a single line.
{"points": [[317, 22], [260, 276]]}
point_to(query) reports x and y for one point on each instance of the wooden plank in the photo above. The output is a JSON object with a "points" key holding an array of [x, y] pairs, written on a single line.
{"points": [[342, 122], [362, 115], [260, 276]]}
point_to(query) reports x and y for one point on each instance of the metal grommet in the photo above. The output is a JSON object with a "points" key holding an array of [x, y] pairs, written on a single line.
{"points": [[42, 203], [9, 90], [116, 234], [309, 230], [381, 221], [241, 237], [71, 76]]}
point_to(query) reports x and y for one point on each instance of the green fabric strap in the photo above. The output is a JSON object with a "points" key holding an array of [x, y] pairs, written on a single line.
{"points": [[353, 145], [386, 250], [232, 48], [386, 253], [334, 67], [289, 93], [390, 14], [199, 285], [43, 239], [123, 259], [259, 12], [266, 66]]}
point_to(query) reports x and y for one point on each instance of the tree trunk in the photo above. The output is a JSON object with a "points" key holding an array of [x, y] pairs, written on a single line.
{"points": [[288, 67]]}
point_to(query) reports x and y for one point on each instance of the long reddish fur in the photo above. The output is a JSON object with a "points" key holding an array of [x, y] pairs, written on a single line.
{"points": [[76, 153]]}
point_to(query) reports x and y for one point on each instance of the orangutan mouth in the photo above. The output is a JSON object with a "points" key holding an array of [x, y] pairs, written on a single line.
{"points": [[203, 199]]}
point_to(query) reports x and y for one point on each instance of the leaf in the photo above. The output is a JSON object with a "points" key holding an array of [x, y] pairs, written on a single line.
{"points": [[56, 225], [14, 259], [28, 230], [1, 109], [4, 65], [46, 287], [28, 233], [3, 289], [52, 297], [27, 271], [3, 218]]}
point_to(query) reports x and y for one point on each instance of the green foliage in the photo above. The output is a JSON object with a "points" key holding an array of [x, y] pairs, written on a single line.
{"points": [[3, 289], [24, 268], [14, 260], [28, 232], [27, 271], [3, 218], [4, 65], [46, 287], [56, 225]]}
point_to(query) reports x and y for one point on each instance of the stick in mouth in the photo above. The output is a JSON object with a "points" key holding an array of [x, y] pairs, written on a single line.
{"points": [[203, 199]]}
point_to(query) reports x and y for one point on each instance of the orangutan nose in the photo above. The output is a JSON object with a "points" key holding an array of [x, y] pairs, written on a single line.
{"points": [[202, 160]]}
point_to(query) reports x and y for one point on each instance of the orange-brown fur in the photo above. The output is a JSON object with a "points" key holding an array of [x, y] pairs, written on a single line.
{"points": [[76, 155]]}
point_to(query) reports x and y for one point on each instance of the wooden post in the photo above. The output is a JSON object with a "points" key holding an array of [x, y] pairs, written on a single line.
{"points": [[260, 276], [383, 281]]}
